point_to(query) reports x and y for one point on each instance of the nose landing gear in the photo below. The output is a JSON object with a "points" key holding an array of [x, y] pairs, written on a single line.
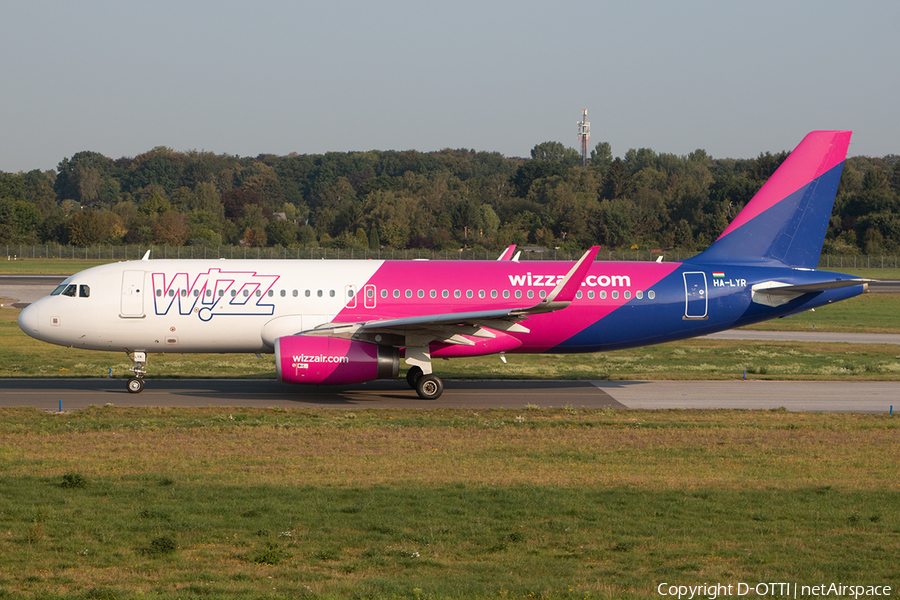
{"points": [[135, 385]]}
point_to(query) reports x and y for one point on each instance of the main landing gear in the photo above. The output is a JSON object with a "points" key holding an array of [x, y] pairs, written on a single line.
{"points": [[428, 387], [135, 384]]}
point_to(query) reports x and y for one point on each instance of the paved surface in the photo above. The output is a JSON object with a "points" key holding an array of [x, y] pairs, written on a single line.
{"points": [[807, 336], [830, 396], [21, 290], [885, 286], [816, 396]]}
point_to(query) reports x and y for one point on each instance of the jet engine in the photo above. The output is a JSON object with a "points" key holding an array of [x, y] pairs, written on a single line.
{"points": [[327, 360]]}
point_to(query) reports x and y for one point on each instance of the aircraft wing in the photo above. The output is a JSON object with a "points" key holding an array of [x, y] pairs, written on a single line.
{"points": [[449, 327]]}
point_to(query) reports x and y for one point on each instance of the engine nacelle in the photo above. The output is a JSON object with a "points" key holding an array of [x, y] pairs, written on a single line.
{"points": [[319, 359]]}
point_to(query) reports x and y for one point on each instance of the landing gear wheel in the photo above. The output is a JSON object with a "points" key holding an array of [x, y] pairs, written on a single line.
{"points": [[135, 385], [413, 376], [429, 387]]}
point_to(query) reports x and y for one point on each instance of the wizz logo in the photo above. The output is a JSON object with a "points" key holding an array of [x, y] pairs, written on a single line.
{"points": [[214, 292]]}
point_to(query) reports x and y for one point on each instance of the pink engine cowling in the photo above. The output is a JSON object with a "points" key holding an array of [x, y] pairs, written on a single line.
{"points": [[327, 360]]}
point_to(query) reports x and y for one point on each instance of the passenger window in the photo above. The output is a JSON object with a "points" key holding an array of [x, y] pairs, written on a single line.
{"points": [[409, 293], [258, 292], [530, 294], [306, 293], [603, 295], [481, 293], [208, 293], [158, 293], [457, 294], [183, 293], [493, 293], [350, 293], [370, 293], [384, 293], [578, 295], [506, 293], [591, 294], [295, 293], [518, 293], [233, 293], [396, 293], [271, 293], [639, 294], [542, 294], [433, 293], [283, 293], [319, 293], [420, 293], [627, 295], [84, 291], [331, 293], [445, 294], [196, 293], [246, 293], [615, 295], [468, 293], [221, 293], [651, 294]]}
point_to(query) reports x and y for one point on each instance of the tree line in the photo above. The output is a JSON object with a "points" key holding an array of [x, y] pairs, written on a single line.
{"points": [[443, 200]]}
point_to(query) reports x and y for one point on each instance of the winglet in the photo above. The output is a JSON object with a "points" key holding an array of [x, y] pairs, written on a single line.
{"points": [[146, 255], [507, 254], [564, 292]]}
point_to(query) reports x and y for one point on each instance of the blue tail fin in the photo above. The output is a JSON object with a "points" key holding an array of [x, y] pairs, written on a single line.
{"points": [[786, 221]]}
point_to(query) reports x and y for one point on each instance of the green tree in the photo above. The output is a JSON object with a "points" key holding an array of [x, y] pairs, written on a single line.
{"points": [[255, 237], [171, 229], [161, 166], [86, 228], [155, 205], [39, 191], [81, 177], [601, 157], [557, 153], [281, 233], [531, 171]]}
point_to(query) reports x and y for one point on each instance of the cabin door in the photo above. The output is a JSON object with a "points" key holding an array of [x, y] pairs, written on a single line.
{"points": [[132, 295], [695, 296]]}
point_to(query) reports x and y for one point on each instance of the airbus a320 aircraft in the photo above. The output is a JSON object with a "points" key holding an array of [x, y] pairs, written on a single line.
{"points": [[339, 322]]}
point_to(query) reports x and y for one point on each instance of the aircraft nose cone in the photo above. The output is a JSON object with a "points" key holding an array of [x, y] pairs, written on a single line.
{"points": [[29, 321]]}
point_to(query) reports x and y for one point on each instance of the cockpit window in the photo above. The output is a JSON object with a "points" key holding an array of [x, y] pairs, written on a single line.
{"points": [[59, 289], [84, 291], [70, 290]]}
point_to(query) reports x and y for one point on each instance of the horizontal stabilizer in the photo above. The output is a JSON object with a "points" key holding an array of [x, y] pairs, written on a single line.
{"points": [[776, 293]]}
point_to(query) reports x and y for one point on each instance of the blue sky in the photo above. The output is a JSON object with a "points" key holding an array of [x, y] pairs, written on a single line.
{"points": [[733, 78]]}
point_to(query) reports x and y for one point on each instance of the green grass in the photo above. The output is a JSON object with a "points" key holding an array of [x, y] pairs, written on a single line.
{"points": [[49, 266], [567, 503]]}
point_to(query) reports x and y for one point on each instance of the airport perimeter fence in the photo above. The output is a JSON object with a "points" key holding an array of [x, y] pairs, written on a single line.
{"points": [[115, 253]]}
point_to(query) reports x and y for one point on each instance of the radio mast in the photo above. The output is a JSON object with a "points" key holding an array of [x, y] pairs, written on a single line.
{"points": [[584, 134]]}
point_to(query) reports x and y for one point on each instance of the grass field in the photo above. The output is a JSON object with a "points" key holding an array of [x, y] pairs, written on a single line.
{"points": [[174, 503]]}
